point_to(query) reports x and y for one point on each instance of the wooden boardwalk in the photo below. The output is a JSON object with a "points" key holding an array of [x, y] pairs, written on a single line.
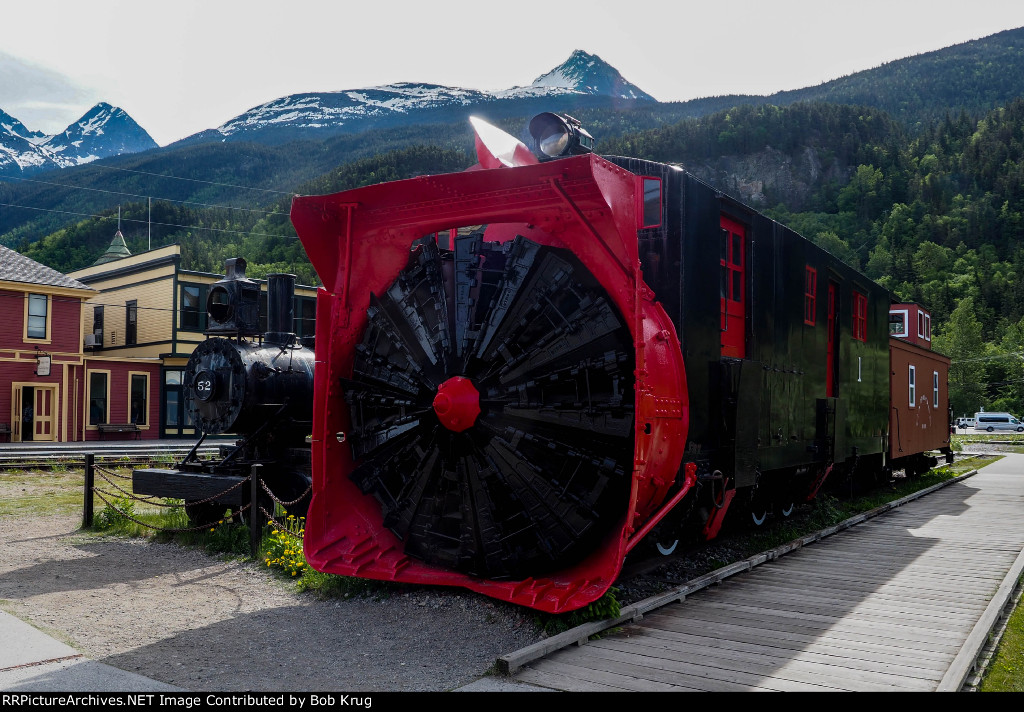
{"points": [[902, 602]]}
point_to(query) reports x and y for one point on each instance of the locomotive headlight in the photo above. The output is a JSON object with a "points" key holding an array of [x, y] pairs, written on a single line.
{"points": [[219, 305], [557, 135]]}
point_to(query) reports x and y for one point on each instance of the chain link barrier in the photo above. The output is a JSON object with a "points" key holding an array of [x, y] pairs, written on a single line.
{"points": [[105, 496]]}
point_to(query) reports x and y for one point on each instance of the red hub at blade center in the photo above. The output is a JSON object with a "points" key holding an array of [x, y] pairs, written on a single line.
{"points": [[457, 404]]}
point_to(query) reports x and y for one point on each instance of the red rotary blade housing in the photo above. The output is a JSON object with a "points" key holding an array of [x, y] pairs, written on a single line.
{"points": [[400, 494]]}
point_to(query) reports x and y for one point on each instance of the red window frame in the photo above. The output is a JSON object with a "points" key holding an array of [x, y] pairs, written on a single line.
{"points": [[810, 294], [860, 317], [642, 201]]}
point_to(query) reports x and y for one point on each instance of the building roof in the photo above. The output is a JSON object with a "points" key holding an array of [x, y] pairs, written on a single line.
{"points": [[15, 267], [117, 250]]}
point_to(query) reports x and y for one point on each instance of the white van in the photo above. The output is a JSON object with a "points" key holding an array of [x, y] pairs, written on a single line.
{"points": [[990, 422], [965, 422]]}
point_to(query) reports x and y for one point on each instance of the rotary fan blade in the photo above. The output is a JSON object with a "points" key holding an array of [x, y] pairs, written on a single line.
{"points": [[491, 403]]}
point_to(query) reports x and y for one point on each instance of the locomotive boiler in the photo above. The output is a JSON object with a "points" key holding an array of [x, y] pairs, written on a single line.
{"points": [[253, 384], [526, 369]]}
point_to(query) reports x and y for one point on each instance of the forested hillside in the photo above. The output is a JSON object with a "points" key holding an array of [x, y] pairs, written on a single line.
{"points": [[209, 235], [935, 215], [913, 172]]}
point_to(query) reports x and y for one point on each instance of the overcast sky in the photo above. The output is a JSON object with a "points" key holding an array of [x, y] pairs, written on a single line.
{"points": [[181, 66]]}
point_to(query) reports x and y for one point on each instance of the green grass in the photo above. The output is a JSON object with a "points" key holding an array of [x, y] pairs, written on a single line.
{"points": [[1005, 672], [40, 493]]}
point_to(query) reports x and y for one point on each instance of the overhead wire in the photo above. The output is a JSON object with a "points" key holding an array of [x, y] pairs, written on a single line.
{"points": [[192, 180], [146, 222], [136, 195], [158, 198]]}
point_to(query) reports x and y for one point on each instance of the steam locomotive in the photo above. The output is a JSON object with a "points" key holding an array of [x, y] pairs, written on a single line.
{"points": [[525, 369], [257, 385]]}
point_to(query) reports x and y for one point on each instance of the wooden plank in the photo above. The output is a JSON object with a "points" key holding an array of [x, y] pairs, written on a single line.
{"points": [[566, 681], [722, 668], [744, 656], [585, 674], [925, 659], [888, 606], [964, 661], [694, 676]]}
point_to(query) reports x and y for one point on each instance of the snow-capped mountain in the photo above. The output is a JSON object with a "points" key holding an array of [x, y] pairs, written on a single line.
{"points": [[103, 131], [581, 77], [589, 74]]}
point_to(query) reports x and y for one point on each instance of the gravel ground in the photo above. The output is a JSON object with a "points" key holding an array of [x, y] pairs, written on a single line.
{"points": [[206, 623]]}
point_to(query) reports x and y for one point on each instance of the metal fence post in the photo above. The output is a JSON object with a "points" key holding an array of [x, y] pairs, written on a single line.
{"points": [[90, 480], [256, 519]]}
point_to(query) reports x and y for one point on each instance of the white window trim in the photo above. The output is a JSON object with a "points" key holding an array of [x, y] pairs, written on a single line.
{"points": [[912, 385], [935, 389], [906, 327]]}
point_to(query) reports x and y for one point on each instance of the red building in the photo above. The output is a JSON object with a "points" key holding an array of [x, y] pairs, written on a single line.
{"points": [[50, 390]]}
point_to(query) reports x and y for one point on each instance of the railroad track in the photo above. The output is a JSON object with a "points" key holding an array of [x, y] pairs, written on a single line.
{"points": [[31, 457]]}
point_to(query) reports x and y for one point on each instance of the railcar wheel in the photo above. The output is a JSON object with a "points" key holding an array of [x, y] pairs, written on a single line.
{"points": [[758, 515], [667, 548], [491, 406]]}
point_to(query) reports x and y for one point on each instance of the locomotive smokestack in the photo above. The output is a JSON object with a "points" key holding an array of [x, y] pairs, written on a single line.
{"points": [[280, 309]]}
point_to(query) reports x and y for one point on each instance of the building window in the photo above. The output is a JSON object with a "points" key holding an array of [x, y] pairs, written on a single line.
{"points": [[810, 294], [651, 215], [935, 389], [193, 307], [98, 399], [97, 325], [131, 323], [38, 306], [913, 385], [860, 317], [138, 391], [172, 399]]}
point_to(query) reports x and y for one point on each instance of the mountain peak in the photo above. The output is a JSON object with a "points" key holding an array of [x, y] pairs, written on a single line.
{"points": [[588, 73]]}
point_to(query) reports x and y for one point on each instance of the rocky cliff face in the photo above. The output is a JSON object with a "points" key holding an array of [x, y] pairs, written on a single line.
{"points": [[770, 176]]}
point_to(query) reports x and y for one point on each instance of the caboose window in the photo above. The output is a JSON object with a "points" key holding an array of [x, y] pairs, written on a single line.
{"points": [[898, 323], [860, 317], [935, 389], [652, 202], [810, 294], [927, 327], [920, 325], [912, 383]]}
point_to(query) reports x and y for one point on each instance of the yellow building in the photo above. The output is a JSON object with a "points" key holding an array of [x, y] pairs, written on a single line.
{"points": [[147, 306]]}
